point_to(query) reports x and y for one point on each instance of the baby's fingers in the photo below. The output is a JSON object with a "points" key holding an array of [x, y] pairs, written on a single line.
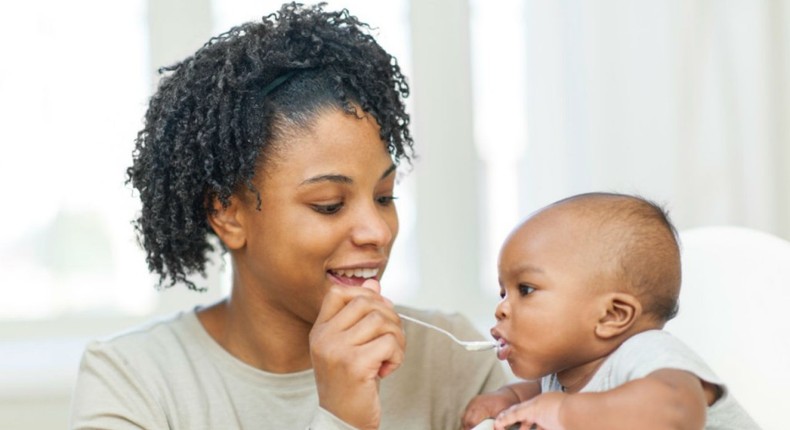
{"points": [[485, 406], [474, 414], [516, 414]]}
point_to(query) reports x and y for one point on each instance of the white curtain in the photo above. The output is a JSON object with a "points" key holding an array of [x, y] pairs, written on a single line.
{"points": [[686, 102]]}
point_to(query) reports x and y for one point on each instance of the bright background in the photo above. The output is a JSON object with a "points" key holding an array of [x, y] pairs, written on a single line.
{"points": [[515, 104]]}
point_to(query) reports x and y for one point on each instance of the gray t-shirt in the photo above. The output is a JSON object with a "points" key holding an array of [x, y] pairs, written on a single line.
{"points": [[653, 350], [172, 375]]}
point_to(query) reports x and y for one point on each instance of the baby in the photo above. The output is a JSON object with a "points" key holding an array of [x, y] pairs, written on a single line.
{"points": [[587, 285]]}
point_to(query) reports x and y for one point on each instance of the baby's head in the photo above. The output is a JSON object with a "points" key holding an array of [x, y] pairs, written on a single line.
{"points": [[579, 277]]}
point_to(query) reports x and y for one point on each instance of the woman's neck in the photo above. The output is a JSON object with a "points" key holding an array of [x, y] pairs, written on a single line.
{"points": [[257, 334]]}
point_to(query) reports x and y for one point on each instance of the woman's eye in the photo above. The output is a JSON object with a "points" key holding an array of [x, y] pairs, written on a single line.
{"points": [[385, 200], [525, 290], [328, 209], [502, 293]]}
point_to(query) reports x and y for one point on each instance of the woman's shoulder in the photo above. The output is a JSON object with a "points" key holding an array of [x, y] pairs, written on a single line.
{"points": [[152, 327], [160, 337], [143, 373]]}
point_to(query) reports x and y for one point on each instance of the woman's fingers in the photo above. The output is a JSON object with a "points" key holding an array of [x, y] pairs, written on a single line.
{"points": [[338, 297], [387, 350], [361, 320], [364, 320], [356, 339], [372, 285], [374, 342], [357, 315]]}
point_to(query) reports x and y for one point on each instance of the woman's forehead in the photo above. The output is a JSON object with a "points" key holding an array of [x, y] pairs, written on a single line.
{"points": [[336, 143]]}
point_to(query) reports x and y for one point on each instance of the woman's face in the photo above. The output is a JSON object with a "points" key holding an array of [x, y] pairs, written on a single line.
{"points": [[327, 215]]}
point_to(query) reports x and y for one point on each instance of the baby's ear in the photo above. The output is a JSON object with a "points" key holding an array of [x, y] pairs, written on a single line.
{"points": [[227, 223], [620, 313]]}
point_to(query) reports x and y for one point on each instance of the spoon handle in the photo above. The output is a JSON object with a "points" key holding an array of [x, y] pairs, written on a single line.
{"points": [[468, 345]]}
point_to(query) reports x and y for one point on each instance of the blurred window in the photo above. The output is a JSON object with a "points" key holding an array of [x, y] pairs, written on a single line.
{"points": [[72, 95], [499, 89], [73, 92]]}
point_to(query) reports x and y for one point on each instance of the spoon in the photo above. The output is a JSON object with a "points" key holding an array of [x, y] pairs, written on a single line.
{"points": [[474, 345]]}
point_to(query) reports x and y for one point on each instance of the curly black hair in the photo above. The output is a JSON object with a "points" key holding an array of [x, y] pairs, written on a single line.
{"points": [[214, 117]]}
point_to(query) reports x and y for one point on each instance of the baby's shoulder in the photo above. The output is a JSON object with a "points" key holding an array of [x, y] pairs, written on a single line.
{"points": [[649, 351]]}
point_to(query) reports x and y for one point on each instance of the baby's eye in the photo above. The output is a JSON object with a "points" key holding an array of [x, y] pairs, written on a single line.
{"points": [[328, 209], [525, 290]]}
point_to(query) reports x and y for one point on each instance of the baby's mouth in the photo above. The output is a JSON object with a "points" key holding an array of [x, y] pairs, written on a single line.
{"points": [[502, 349]]}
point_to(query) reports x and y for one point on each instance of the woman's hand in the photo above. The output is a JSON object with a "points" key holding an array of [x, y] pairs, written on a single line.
{"points": [[664, 399], [356, 339]]}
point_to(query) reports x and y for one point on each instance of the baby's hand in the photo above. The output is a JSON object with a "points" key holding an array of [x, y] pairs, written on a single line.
{"points": [[487, 405], [542, 411]]}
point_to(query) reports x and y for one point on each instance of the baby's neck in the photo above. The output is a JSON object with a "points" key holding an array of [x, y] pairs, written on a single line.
{"points": [[576, 378]]}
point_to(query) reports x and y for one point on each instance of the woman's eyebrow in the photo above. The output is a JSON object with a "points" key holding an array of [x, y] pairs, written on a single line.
{"points": [[389, 170], [330, 177], [342, 179]]}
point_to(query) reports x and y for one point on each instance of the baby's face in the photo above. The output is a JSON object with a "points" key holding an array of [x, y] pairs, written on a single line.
{"points": [[548, 278]]}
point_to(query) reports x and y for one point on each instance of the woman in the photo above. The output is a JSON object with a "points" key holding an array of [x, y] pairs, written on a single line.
{"points": [[280, 138]]}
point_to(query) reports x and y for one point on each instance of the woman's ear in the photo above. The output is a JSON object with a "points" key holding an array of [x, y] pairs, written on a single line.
{"points": [[228, 223], [621, 312]]}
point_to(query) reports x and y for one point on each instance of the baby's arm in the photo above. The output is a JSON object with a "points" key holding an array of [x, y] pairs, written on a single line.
{"points": [[665, 399], [488, 405]]}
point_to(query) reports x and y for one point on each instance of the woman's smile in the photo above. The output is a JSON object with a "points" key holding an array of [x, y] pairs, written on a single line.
{"points": [[354, 276]]}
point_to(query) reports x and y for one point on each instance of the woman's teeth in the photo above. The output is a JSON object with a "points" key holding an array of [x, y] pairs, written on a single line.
{"points": [[356, 273]]}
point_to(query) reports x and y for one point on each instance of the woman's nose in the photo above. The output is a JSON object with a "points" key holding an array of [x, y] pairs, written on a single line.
{"points": [[375, 227]]}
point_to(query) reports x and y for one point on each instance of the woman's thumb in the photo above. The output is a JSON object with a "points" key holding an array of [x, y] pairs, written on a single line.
{"points": [[373, 285]]}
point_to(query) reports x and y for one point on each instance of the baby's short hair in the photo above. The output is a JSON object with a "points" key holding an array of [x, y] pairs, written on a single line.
{"points": [[641, 243]]}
